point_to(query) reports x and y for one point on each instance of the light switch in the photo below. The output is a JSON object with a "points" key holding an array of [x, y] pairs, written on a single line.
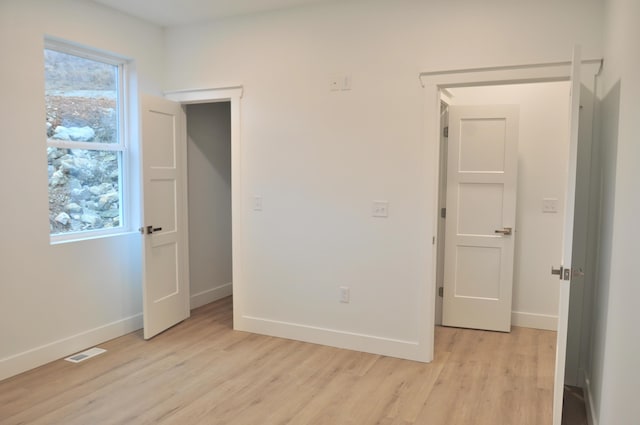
{"points": [[335, 83], [257, 203], [346, 82], [550, 205]]}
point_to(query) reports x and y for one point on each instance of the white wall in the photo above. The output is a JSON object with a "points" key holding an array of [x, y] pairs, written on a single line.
{"points": [[613, 372], [319, 158], [57, 299], [542, 169], [209, 168]]}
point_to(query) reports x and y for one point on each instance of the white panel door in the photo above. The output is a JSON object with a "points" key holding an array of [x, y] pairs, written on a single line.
{"points": [[481, 213], [165, 281], [564, 271]]}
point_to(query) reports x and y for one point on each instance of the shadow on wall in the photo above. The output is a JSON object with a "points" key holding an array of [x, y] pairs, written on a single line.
{"points": [[610, 117]]}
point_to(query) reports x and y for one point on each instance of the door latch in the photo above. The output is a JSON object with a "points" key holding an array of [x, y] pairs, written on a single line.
{"points": [[567, 274], [557, 271]]}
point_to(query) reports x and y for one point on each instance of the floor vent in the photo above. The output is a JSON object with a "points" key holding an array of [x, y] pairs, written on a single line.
{"points": [[87, 354]]}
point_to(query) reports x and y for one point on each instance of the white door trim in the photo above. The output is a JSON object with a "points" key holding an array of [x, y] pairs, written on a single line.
{"points": [[232, 94], [433, 83]]}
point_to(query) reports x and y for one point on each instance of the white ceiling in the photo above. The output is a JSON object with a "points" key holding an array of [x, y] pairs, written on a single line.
{"points": [[168, 13]]}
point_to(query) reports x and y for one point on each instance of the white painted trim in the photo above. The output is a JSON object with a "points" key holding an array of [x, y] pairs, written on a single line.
{"points": [[220, 94], [211, 295], [30, 359], [592, 418], [231, 94], [510, 67], [410, 350], [534, 320]]}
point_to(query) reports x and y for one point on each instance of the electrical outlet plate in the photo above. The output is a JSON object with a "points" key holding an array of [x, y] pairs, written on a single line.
{"points": [[550, 205], [380, 209]]}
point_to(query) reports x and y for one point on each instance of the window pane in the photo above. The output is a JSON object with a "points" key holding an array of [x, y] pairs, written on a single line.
{"points": [[84, 190], [81, 97]]}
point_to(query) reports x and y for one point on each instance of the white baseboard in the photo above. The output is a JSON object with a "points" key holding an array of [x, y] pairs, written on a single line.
{"points": [[21, 362], [410, 350], [211, 295], [534, 320], [592, 419]]}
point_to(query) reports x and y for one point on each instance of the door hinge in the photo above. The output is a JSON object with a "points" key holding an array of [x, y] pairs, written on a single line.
{"points": [[445, 131], [443, 212], [441, 291]]}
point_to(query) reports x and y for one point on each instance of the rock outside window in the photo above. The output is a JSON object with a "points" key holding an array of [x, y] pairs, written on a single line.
{"points": [[85, 142]]}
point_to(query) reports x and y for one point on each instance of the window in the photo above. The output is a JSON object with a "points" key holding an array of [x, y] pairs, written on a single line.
{"points": [[86, 149]]}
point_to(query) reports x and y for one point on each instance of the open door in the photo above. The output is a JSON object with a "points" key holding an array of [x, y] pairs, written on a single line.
{"points": [[565, 271], [481, 213], [165, 272]]}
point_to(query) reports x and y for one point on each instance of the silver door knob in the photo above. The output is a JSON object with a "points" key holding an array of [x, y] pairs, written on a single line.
{"points": [[505, 231]]}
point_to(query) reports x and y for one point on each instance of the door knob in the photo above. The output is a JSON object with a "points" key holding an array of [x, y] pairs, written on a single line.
{"points": [[505, 231], [151, 229]]}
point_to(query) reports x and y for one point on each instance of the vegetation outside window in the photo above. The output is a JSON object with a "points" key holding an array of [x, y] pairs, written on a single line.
{"points": [[85, 141]]}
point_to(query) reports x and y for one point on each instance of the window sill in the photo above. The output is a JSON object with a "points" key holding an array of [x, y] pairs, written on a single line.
{"points": [[80, 237]]}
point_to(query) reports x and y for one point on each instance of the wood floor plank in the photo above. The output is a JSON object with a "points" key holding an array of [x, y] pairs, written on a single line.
{"points": [[202, 372]]}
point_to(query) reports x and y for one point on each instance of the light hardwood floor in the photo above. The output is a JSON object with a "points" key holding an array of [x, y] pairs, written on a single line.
{"points": [[203, 372]]}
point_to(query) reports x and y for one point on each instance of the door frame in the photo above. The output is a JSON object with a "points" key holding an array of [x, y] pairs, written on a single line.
{"points": [[434, 83], [232, 94]]}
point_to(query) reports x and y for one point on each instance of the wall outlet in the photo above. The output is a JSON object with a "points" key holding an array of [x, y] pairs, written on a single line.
{"points": [[550, 205], [345, 294], [380, 209]]}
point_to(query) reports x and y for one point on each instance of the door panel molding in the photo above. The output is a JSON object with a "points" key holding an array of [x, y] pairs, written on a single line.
{"points": [[164, 208], [482, 168]]}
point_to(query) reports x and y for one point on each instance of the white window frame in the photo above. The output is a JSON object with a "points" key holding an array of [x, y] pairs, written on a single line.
{"points": [[121, 146]]}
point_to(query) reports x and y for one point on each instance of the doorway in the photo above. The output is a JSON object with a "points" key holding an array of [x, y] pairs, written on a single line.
{"points": [[542, 165], [209, 200], [580, 155], [231, 96]]}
